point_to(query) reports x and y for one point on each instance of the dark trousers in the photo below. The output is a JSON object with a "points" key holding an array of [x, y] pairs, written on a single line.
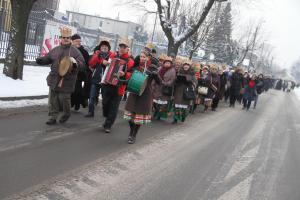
{"points": [[247, 103], [77, 97], [58, 101], [110, 103], [226, 95], [255, 101], [215, 102], [94, 93], [233, 99]]}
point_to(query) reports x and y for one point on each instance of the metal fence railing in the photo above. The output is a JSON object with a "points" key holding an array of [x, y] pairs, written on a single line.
{"points": [[36, 31]]}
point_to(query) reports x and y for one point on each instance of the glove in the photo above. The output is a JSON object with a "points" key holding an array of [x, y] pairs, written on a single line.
{"points": [[73, 60]]}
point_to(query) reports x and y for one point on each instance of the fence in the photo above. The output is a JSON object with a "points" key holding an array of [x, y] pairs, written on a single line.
{"points": [[36, 31]]}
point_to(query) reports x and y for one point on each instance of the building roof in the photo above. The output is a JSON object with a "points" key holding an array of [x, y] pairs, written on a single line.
{"points": [[105, 18]]}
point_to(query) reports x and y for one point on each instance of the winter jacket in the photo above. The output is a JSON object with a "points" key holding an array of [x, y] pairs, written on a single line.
{"points": [[96, 64], [250, 91], [236, 83], [83, 73], [128, 69], [259, 86], [167, 80], [54, 57], [181, 84]]}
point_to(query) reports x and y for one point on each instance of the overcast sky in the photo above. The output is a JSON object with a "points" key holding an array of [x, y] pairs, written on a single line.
{"points": [[281, 21]]}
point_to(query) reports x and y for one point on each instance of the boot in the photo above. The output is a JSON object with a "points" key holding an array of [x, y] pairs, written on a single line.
{"points": [[89, 115], [205, 109], [136, 130], [131, 140], [77, 107], [51, 122], [130, 136], [64, 118]]}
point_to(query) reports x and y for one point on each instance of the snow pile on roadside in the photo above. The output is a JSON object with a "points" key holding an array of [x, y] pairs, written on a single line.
{"points": [[33, 83], [297, 92], [23, 103]]}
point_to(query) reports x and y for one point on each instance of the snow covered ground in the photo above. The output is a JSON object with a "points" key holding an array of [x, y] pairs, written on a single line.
{"points": [[297, 92], [33, 84]]}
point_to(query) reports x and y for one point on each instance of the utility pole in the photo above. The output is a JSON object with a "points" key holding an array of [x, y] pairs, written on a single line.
{"points": [[253, 45], [154, 27]]}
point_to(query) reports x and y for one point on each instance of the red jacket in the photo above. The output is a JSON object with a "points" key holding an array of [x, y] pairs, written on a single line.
{"points": [[96, 60], [130, 65]]}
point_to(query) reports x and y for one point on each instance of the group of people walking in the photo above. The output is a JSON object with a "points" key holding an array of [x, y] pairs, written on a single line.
{"points": [[158, 88]]}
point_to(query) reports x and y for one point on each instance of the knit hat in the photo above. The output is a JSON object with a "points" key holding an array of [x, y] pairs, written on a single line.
{"points": [[75, 37]]}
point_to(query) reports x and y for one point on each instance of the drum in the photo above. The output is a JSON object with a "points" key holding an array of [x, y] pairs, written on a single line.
{"points": [[65, 66], [137, 83]]}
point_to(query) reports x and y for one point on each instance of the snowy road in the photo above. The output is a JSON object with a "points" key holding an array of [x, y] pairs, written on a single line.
{"points": [[227, 155]]}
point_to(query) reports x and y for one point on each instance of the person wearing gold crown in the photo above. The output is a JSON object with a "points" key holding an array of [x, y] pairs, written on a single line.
{"points": [[112, 94], [184, 91], [65, 61]]}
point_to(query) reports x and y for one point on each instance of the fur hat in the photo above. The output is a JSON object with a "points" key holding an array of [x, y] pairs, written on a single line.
{"points": [[65, 31], [168, 59], [214, 66], [106, 43], [162, 56], [186, 61], [205, 67], [124, 41]]}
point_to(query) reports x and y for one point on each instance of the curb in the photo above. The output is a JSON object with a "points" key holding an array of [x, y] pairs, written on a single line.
{"points": [[23, 98]]}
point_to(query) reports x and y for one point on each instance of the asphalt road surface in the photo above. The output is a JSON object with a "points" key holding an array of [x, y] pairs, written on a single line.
{"points": [[230, 154]]}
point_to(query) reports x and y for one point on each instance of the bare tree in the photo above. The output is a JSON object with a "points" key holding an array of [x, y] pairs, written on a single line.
{"points": [[248, 42], [198, 39], [174, 15], [170, 19], [14, 60]]}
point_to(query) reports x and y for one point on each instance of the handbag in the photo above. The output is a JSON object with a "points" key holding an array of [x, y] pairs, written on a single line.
{"points": [[202, 90], [167, 90], [189, 93]]}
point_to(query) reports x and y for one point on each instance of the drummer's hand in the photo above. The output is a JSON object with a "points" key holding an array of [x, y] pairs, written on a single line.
{"points": [[105, 62], [73, 60], [121, 73]]}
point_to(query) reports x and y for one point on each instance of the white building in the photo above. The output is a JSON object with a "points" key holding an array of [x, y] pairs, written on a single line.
{"points": [[122, 28]]}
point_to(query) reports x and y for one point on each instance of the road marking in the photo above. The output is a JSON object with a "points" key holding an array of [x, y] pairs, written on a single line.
{"points": [[240, 191], [58, 136], [242, 162], [13, 147]]}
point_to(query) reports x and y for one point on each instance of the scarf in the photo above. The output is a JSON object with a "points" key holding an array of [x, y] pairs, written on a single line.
{"points": [[251, 84], [163, 71]]}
